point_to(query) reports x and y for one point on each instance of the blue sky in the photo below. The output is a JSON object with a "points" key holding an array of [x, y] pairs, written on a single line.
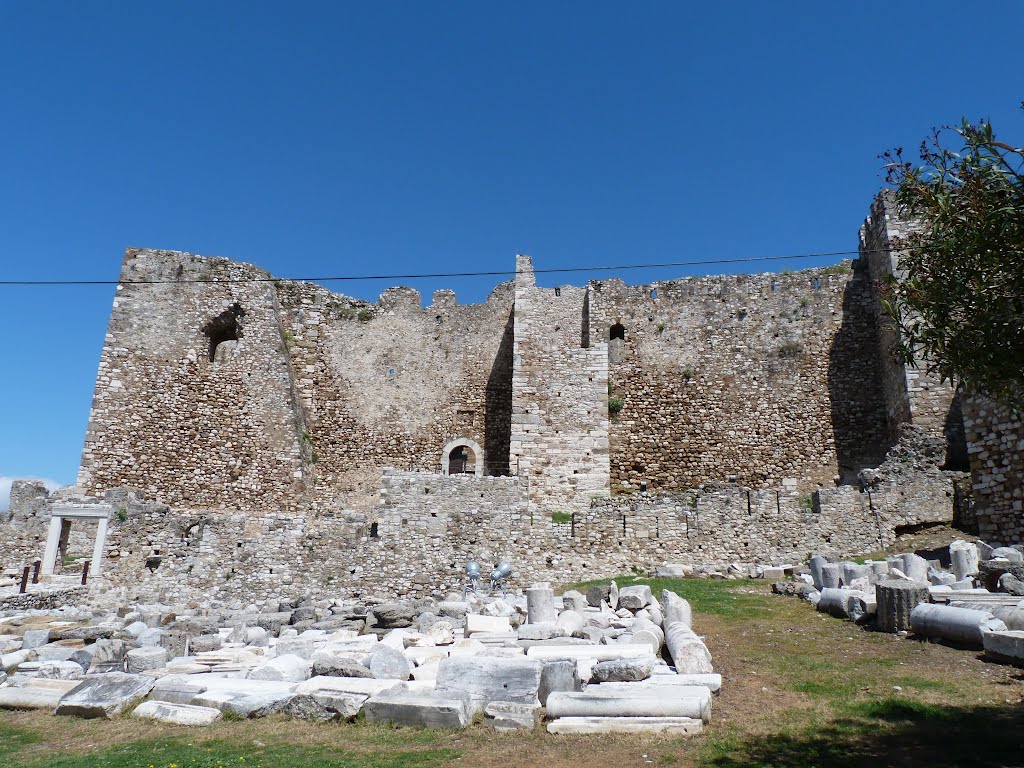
{"points": [[344, 138]]}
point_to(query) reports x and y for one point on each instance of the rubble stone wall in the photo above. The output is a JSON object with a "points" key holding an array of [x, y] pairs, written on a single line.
{"points": [[425, 528], [995, 438], [559, 396], [911, 393], [752, 378]]}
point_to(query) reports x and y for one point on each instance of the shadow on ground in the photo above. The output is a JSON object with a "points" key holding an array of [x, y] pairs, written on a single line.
{"points": [[888, 732]]}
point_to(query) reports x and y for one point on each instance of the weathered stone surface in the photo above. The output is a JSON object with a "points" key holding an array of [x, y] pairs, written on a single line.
{"points": [[592, 702], [324, 706], [574, 600], [60, 670], [1004, 645], [598, 594], [478, 623], [338, 666], [1011, 585], [540, 605], [676, 726], [558, 675], [621, 670], [896, 600], [287, 668], [386, 663], [964, 558], [961, 626], [422, 708], [689, 654], [485, 679], [675, 608], [174, 692], [391, 615], [104, 695], [145, 659], [635, 597], [508, 716], [256, 705], [356, 686], [34, 638], [109, 656], [178, 714]]}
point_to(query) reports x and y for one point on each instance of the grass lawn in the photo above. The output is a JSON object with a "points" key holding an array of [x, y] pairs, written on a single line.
{"points": [[800, 689]]}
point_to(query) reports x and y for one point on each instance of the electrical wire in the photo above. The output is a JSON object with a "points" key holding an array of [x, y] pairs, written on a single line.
{"points": [[497, 273]]}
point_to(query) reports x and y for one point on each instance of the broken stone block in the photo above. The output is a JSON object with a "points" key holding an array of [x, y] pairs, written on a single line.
{"points": [[689, 654], [108, 656], [621, 670], [484, 679], [1009, 554], [287, 668], [573, 600], [558, 675], [324, 706], [635, 597], [392, 615], [178, 714], [598, 594], [35, 638], [423, 708], [677, 726], [140, 660], [962, 626], [104, 695], [645, 702], [257, 705], [478, 623], [964, 558], [540, 605], [338, 666], [386, 663], [915, 567], [60, 670], [1004, 645], [508, 716]]}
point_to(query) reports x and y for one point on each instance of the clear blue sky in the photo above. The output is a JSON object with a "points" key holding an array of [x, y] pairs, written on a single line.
{"points": [[334, 138]]}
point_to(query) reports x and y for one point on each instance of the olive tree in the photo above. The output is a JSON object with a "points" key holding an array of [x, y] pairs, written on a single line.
{"points": [[958, 293]]}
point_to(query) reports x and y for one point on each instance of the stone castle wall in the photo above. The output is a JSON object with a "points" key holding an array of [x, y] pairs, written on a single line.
{"points": [[425, 527], [995, 437], [168, 420], [754, 378], [559, 396]]}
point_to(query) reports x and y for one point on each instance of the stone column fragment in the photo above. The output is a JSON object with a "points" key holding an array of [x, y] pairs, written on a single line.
{"points": [[896, 599]]}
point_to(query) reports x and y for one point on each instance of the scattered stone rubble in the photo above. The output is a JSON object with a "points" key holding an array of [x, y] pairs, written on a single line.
{"points": [[969, 596], [613, 660]]}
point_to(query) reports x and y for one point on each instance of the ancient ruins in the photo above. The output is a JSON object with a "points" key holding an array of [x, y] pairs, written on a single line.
{"points": [[291, 501]]}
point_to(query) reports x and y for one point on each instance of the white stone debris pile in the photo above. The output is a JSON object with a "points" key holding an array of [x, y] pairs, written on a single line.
{"points": [[613, 660], [969, 596]]}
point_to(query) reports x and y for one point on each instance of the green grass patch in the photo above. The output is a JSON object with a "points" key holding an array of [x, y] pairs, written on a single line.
{"points": [[561, 517], [392, 751], [729, 599]]}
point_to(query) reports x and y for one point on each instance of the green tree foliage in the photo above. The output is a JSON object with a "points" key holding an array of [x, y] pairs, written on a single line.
{"points": [[958, 295]]}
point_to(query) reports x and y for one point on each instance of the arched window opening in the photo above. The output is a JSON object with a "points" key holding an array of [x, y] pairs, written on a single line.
{"points": [[617, 331], [224, 327], [461, 461], [462, 456]]}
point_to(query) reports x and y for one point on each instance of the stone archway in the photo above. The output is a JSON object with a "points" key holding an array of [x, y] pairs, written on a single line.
{"points": [[463, 443]]}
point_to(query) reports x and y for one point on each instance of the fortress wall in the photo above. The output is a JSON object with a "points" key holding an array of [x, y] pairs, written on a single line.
{"points": [[995, 437], [186, 430], [390, 383], [426, 527], [911, 394], [755, 378], [559, 396]]}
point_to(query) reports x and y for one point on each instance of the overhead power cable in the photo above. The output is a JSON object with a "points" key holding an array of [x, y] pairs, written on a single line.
{"points": [[496, 273]]}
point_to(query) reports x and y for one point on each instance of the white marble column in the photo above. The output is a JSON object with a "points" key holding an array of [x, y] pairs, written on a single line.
{"points": [[52, 540], [97, 549]]}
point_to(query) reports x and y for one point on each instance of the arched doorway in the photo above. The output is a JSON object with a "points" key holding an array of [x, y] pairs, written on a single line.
{"points": [[462, 456]]}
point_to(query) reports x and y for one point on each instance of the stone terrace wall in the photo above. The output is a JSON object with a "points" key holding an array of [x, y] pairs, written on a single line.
{"points": [[753, 378], [171, 422], [996, 444], [391, 383], [559, 396], [426, 527]]}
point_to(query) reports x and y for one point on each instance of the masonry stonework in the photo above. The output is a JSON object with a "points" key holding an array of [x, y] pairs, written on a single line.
{"points": [[268, 436]]}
